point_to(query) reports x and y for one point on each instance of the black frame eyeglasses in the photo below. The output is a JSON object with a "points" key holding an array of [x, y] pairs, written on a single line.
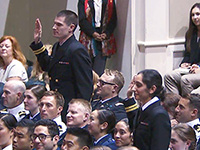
{"points": [[102, 83], [41, 136]]}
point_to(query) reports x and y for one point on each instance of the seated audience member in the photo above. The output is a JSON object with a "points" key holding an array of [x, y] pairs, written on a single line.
{"points": [[12, 60], [183, 137], [152, 129], [13, 96], [122, 133], [38, 76], [100, 148], [23, 131], [102, 123], [95, 81], [170, 102], [128, 148], [188, 111], [45, 135], [33, 94], [7, 125], [184, 79], [51, 105], [77, 139], [78, 115], [108, 88]]}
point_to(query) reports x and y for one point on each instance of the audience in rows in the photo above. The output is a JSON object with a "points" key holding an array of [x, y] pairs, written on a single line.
{"points": [[150, 117]]}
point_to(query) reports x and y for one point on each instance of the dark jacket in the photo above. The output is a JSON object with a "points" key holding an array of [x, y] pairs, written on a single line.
{"points": [[107, 141], [114, 104], [152, 128], [69, 69]]}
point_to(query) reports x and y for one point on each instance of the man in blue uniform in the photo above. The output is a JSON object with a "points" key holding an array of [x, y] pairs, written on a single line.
{"points": [[69, 66]]}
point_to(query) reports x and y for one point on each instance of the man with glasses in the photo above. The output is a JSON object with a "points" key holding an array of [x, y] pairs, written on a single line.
{"points": [[108, 88], [46, 135]]}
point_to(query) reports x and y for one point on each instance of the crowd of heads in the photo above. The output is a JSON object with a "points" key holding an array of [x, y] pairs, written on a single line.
{"points": [[84, 125]]}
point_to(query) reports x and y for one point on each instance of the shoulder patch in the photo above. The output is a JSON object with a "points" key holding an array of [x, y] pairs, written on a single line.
{"points": [[21, 113], [197, 127]]}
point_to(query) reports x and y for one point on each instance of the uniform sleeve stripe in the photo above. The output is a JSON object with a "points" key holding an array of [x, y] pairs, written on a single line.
{"points": [[131, 108], [36, 52]]}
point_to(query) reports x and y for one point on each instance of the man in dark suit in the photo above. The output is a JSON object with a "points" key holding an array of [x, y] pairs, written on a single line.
{"points": [[69, 66]]}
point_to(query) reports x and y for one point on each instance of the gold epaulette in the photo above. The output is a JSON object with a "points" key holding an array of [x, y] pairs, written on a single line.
{"points": [[131, 108], [95, 100], [21, 113], [36, 52]]}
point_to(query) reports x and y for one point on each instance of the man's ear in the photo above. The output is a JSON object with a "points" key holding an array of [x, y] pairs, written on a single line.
{"points": [[194, 112], [85, 148], [72, 27], [56, 138], [152, 89], [60, 108], [86, 117]]}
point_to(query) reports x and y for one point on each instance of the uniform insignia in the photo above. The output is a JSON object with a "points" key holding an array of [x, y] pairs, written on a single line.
{"points": [[118, 104], [21, 113], [4, 110], [197, 127], [60, 128]]}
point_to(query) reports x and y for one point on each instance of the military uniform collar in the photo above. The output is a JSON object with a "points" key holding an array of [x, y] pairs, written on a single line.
{"points": [[16, 109]]}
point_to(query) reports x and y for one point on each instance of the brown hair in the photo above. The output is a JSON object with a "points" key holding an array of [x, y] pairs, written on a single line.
{"points": [[185, 132], [118, 78], [58, 97]]}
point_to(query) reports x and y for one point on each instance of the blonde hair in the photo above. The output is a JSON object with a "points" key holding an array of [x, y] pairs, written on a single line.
{"points": [[86, 105]]}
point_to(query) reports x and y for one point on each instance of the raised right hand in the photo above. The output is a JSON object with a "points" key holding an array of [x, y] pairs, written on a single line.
{"points": [[38, 31]]}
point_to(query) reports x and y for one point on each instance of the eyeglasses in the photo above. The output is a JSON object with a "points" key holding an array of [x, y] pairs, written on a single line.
{"points": [[102, 83], [41, 136]]}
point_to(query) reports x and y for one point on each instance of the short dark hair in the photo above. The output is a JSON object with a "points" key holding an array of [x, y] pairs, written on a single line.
{"points": [[27, 123], [58, 97], [70, 17], [108, 116], [9, 120], [194, 101], [50, 124], [84, 137]]}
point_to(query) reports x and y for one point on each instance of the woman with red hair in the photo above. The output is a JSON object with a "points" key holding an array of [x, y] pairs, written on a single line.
{"points": [[12, 60]]}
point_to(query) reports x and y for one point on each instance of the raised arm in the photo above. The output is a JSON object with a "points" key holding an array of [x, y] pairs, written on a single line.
{"points": [[38, 31]]}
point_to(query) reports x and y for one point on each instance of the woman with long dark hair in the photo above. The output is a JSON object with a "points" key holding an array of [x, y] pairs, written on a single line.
{"points": [[186, 78]]}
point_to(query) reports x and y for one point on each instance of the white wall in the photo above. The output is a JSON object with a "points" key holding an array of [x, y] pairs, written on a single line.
{"points": [[3, 11]]}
